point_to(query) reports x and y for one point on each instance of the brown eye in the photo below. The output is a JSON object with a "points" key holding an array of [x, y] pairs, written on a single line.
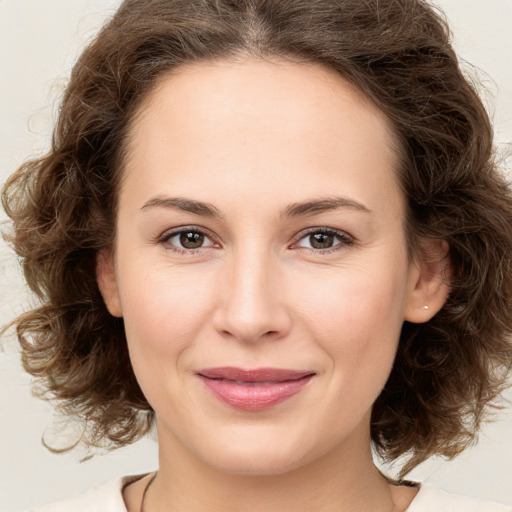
{"points": [[321, 240], [325, 240], [187, 239], [191, 239]]}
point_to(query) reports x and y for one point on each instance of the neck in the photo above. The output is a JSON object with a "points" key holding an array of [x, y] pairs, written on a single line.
{"points": [[343, 480]]}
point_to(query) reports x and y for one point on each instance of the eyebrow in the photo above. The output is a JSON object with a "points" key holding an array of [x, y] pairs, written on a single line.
{"points": [[312, 207], [186, 205], [322, 205]]}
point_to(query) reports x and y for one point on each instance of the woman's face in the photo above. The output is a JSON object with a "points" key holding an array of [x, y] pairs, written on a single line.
{"points": [[260, 263]]}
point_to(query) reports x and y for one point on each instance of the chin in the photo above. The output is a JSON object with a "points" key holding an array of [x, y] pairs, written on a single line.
{"points": [[262, 457], [259, 464]]}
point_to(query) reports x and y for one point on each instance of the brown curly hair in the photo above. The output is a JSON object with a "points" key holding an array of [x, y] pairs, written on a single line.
{"points": [[398, 53]]}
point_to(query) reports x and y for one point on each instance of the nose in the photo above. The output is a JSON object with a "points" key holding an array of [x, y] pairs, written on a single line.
{"points": [[252, 304]]}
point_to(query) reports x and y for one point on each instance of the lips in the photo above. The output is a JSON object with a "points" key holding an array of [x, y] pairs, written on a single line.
{"points": [[254, 390]]}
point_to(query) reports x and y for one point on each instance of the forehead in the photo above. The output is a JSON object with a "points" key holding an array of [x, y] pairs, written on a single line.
{"points": [[255, 121], [271, 89]]}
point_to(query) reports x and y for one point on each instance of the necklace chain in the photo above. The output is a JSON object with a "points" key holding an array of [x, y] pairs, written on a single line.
{"points": [[142, 508], [148, 485]]}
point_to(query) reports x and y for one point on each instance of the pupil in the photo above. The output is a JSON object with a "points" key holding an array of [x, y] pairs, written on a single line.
{"points": [[191, 240], [321, 240]]}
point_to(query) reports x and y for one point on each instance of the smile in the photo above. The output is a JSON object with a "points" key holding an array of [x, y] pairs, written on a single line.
{"points": [[254, 390]]}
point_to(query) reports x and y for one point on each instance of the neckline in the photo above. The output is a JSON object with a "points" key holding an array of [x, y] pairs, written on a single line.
{"points": [[125, 481]]}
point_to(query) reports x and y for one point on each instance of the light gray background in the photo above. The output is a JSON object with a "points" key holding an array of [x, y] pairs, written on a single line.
{"points": [[39, 41]]}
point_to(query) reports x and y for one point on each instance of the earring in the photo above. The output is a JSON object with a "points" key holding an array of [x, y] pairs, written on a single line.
{"points": [[426, 307]]}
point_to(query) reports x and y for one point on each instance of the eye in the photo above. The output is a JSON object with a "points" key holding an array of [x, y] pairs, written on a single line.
{"points": [[323, 239], [187, 239]]}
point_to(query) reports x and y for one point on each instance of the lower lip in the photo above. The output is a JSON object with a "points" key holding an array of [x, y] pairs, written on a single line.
{"points": [[254, 396]]}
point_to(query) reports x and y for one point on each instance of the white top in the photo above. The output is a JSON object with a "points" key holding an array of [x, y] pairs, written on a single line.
{"points": [[109, 498]]}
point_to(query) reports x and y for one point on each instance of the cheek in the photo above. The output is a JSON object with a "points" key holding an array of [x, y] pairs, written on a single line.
{"points": [[164, 310], [357, 318], [164, 315]]}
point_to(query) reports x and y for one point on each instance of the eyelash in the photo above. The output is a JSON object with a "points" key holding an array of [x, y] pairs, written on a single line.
{"points": [[343, 238], [166, 237]]}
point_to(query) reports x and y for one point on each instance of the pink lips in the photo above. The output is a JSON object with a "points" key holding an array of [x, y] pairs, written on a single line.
{"points": [[254, 390]]}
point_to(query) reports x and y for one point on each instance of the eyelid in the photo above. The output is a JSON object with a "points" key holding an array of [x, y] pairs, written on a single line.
{"points": [[346, 239], [170, 233]]}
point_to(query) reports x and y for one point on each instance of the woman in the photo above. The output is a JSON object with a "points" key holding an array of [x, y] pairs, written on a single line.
{"points": [[275, 229]]}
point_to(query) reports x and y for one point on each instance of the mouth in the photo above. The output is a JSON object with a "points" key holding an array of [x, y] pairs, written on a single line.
{"points": [[254, 390]]}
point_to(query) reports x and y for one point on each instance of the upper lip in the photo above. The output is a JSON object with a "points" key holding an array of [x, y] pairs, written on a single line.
{"points": [[255, 375]]}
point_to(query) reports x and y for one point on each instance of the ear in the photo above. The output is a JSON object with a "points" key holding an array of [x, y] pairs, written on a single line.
{"points": [[429, 283], [106, 278]]}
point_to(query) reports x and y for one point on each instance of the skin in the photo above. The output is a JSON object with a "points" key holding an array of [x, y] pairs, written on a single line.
{"points": [[259, 293]]}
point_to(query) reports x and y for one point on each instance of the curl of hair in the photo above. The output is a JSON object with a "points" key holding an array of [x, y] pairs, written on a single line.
{"points": [[398, 53]]}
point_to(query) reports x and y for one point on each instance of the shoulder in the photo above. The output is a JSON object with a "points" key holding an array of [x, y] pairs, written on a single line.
{"points": [[105, 498], [432, 499]]}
